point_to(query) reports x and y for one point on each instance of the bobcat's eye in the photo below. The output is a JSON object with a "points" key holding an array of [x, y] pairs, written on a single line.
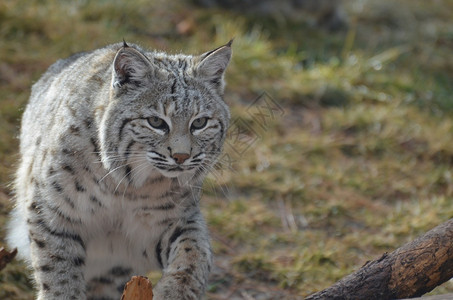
{"points": [[157, 123], [199, 123]]}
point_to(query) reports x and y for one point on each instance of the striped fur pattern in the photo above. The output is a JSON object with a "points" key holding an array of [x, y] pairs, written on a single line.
{"points": [[114, 147]]}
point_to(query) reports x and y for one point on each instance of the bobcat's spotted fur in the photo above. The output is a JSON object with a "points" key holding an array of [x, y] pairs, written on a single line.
{"points": [[114, 147]]}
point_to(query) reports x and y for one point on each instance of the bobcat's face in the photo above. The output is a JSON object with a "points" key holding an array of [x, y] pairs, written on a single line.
{"points": [[168, 113], [183, 132]]}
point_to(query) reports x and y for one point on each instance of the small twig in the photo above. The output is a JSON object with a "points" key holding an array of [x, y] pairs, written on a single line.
{"points": [[6, 257], [138, 288]]}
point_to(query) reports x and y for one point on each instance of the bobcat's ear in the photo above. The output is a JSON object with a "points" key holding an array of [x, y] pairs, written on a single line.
{"points": [[130, 67], [212, 65]]}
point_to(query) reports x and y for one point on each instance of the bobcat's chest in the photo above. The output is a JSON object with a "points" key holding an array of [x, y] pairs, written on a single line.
{"points": [[143, 211], [128, 230]]}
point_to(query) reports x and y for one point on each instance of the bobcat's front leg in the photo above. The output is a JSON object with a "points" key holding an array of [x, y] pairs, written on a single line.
{"points": [[185, 254], [57, 255]]}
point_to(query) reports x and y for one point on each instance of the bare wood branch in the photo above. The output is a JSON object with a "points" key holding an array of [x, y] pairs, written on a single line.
{"points": [[410, 271]]}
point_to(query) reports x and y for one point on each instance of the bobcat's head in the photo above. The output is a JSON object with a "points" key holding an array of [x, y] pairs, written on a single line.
{"points": [[165, 113]]}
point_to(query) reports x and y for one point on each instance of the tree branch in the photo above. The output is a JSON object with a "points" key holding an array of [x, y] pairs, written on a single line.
{"points": [[410, 271]]}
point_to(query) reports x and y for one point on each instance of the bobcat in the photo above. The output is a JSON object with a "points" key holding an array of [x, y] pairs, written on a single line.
{"points": [[114, 146]]}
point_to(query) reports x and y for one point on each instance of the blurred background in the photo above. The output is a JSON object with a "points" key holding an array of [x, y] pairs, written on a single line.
{"points": [[340, 147]]}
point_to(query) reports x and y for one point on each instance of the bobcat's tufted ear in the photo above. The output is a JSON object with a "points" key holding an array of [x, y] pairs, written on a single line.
{"points": [[212, 65], [130, 67]]}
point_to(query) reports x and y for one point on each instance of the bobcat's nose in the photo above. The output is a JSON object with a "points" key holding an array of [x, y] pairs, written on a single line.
{"points": [[180, 158]]}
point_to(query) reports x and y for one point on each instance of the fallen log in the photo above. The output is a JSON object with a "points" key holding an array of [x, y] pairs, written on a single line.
{"points": [[410, 271]]}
